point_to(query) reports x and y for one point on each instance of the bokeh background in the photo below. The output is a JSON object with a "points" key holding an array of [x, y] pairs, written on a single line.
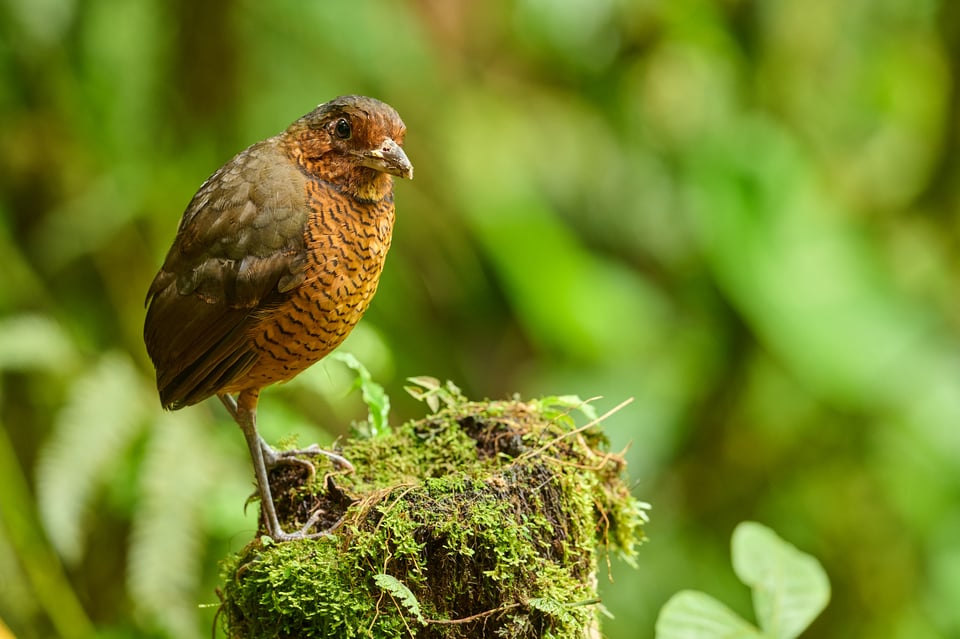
{"points": [[743, 214]]}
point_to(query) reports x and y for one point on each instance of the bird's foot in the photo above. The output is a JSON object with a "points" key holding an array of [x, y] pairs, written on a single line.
{"points": [[280, 535], [327, 505], [273, 457]]}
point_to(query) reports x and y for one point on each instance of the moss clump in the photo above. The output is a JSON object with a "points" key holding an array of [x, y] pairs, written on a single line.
{"points": [[482, 520]]}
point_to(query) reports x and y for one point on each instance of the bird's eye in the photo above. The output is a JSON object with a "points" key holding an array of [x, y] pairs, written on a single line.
{"points": [[342, 129]]}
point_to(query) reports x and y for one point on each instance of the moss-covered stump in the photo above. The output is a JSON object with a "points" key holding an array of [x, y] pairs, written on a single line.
{"points": [[482, 520]]}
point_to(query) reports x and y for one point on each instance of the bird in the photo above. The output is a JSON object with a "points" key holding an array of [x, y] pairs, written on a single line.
{"points": [[275, 260]]}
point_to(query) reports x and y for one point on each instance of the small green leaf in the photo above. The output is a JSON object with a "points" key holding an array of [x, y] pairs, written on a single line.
{"points": [[430, 390], [603, 610], [376, 399], [564, 404], [399, 590], [426, 382], [551, 608], [690, 614], [790, 588], [584, 406]]}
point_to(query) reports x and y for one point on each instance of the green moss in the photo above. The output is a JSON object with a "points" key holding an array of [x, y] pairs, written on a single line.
{"points": [[487, 517]]}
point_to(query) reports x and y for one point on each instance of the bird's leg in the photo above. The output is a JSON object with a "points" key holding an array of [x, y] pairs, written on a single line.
{"points": [[243, 409], [230, 404], [273, 457], [245, 413]]}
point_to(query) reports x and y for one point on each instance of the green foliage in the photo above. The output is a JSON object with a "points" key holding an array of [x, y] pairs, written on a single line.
{"points": [[102, 415], [83, 472], [433, 393], [399, 591], [166, 552], [552, 608], [375, 398], [33, 576], [789, 588], [34, 342], [559, 407]]}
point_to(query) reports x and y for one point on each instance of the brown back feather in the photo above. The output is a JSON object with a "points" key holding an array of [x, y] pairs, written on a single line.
{"points": [[239, 250]]}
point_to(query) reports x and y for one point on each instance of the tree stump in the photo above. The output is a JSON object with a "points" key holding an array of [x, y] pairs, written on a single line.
{"points": [[484, 519]]}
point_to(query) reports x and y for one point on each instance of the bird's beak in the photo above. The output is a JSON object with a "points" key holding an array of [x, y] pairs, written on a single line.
{"points": [[389, 158]]}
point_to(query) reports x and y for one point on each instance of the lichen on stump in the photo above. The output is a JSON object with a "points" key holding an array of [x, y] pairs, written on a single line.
{"points": [[485, 519]]}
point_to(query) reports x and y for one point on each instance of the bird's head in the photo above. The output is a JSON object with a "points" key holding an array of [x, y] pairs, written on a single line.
{"points": [[354, 143]]}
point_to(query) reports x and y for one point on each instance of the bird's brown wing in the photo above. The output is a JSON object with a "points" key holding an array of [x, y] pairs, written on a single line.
{"points": [[239, 250]]}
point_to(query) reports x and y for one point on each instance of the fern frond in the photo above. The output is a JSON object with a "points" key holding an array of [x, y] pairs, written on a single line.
{"points": [[34, 342], [166, 542], [399, 590], [104, 411]]}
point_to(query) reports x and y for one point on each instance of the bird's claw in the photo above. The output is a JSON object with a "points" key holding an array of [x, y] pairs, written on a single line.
{"points": [[273, 458], [280, 535]]}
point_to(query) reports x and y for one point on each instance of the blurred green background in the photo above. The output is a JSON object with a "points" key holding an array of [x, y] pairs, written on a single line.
{"points": [[745, 214]]}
